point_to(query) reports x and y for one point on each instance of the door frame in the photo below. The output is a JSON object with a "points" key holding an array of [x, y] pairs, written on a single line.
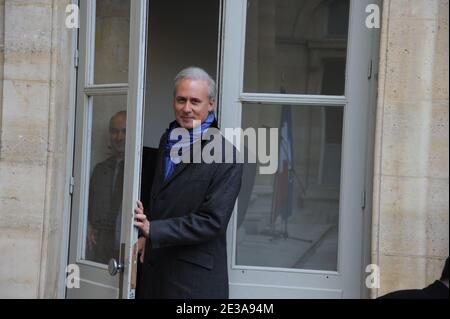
{"points": [[70, 152], [134, 143], [225, 117]]}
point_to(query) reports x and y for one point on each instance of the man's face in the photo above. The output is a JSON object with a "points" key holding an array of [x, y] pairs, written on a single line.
{"points": [[191, 102], [117, 133]]}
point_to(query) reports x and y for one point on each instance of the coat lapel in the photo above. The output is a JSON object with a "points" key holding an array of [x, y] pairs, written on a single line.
{"points": [[178, 169], [160, 183]]}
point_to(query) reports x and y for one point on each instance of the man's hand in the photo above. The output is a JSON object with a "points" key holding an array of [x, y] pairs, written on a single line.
{"points": [[141, 248], [90, 237], [141, 221]]}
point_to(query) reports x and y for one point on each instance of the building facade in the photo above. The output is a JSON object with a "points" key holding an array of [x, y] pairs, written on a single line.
{"points": [[324, 72]]}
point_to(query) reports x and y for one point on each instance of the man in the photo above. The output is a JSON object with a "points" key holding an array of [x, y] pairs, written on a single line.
{"points": [[437, 290], [185, 254], [105, 197]]}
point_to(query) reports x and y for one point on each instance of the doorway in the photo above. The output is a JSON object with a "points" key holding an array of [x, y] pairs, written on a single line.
{"points": [[180, 34], [115, 61], [270, 73]]}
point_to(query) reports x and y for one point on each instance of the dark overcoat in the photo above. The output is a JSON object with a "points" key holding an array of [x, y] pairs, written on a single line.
{"points": [[186, 254]]}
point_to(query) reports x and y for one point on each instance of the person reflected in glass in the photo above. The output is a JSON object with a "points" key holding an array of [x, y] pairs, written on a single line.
{"points": [[105, 197]]}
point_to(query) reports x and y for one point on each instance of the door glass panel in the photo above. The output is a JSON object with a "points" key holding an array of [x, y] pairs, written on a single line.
{"points": [[112, 31], [296, 47], [108, 131], [290, 219]]}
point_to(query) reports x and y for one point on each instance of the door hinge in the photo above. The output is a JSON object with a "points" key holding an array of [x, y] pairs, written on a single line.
{"points": [[76, 59], [71, 185], [370, 70], [363, 200]]}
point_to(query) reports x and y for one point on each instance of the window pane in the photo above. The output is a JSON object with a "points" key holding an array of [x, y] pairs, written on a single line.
{"points": [[112, 34], [290, 219], [106, 178], [296, 47]]}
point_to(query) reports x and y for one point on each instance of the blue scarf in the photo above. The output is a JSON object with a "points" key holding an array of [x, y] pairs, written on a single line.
{"points": [[170, 166]]}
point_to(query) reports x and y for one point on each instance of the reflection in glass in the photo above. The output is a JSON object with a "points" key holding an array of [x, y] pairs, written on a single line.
{"points": [[112, 32], [106, 181], [290, 219], [296, 47]]}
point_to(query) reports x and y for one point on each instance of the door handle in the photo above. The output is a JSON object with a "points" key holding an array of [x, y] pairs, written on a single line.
{"points": [[114, 267]]}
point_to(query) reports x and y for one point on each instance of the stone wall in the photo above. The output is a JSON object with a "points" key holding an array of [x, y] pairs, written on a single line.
{"points": [[411, 183], [2, 37], [33, 153]]}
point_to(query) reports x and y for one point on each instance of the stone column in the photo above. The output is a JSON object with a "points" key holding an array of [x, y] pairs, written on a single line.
{"points": [[33, 153], [2, 42], [411, 177]]}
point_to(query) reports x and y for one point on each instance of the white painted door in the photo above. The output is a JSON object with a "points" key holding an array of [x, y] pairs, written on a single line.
{"points": [[304, 67], [108, 140]]}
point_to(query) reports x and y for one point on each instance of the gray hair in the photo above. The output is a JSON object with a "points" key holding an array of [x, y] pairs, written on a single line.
{"points": [[120, 113], [196, 73]]}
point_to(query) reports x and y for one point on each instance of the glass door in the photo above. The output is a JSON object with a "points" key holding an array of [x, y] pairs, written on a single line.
{"points": [[108, 143], [302, 68]]}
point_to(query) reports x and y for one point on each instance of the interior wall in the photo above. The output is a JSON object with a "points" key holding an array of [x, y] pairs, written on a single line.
{"points": [[181, 34]]}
